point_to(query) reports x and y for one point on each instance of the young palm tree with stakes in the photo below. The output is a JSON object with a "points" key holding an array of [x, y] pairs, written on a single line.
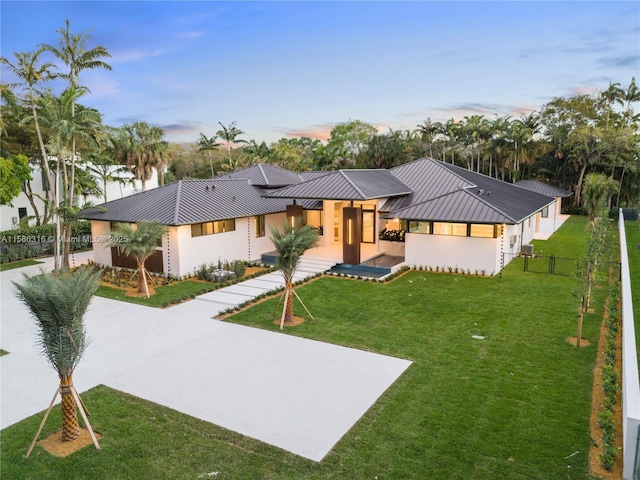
{"points": [[58, 302], [291, 243], [139, 242]]}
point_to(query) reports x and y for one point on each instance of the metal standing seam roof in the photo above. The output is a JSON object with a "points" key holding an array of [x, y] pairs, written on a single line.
{"points": [[191, 201], [445, 192], [543, 188], [346, 185], [264, 175]]}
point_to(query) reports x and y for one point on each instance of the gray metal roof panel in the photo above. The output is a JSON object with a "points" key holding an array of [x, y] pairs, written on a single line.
{"points": [[346, 185], [459, 206], [191, 201], [516, 202], [543, 188], [264, 175], [428, 179]]}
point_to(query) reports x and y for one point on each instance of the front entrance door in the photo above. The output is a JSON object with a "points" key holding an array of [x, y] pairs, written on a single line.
{"points": [[351, 235]]}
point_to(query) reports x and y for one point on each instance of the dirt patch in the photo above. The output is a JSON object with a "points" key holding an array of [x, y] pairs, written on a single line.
{"points": [[55, 446], [574, 341], [597, 398], [296, 321]]}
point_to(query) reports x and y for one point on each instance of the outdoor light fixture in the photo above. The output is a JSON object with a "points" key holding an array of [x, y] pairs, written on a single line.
{"points": [[350, 232], [293, 221]]}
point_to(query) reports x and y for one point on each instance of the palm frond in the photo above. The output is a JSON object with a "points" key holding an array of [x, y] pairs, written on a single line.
{"points": [[58, 303]]}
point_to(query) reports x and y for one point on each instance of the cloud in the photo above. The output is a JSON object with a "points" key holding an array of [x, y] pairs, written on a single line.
{"points": [[316, 132], [631, 60], [182, 130], [190, 34]]}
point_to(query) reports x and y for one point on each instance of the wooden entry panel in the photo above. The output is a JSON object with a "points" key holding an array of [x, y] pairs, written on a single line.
{"points": [[153, 263], [351, 235], [292, 212]]}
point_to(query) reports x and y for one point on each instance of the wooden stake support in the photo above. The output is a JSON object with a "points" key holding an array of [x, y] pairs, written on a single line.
{"points": [[83, 412]]}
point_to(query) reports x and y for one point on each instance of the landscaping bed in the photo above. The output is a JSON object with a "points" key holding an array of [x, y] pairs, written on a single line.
{"points": [[122, 284]]}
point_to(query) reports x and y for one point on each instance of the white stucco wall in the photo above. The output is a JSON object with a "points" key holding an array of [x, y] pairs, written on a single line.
{"points": [[188, 253], [448, 251], [549, 225], [100, 233]]}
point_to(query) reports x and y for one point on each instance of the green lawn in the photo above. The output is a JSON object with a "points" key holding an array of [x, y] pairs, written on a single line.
{"points": [[165, 294], [512, 406], [18, 264], [632, 230]]}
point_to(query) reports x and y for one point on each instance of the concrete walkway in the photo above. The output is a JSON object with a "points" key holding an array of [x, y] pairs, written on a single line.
{"points": [[297, 394]]}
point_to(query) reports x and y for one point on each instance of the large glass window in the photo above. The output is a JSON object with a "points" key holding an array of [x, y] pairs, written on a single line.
{"points": [[209, 228], [452, 229], [420, 227], [484, 231]]}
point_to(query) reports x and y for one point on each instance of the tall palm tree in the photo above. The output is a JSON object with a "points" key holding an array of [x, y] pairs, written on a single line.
{"points": [[139, 242], [69, 123], [206, 144], [31, 74], [58, 302], [291, 243], [230, 135]]}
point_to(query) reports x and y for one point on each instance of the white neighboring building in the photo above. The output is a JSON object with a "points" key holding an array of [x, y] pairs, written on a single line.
{"points": [[10, 215]]}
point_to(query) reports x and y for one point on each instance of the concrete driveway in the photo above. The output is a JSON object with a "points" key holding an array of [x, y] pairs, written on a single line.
{"points": [[299, 395]]}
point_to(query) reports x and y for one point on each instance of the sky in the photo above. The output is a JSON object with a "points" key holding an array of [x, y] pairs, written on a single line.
{"points": [[298, 68]]}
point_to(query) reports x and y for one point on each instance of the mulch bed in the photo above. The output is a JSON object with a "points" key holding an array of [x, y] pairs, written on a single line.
{"points": [[54, 444]]}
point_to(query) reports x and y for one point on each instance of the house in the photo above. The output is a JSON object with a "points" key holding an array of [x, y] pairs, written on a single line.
{"points": [[20, 209], [438, 214]]}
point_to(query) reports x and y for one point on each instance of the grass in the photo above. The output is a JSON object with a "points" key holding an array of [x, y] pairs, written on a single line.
{"points": [[632, 230], [165, 294], [18, 264], [515, 405]]}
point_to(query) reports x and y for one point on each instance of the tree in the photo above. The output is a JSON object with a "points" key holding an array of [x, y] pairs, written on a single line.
{"points": [[208, 145], [31, 74], [597, 189], [351, 137], [58, 302], [14, 171], [291, 243], [230, 135], [69, 124], [142, 147], [138, 242]]}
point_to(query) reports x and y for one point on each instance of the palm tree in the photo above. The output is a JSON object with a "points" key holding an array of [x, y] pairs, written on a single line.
{"points": [[291, 243], [139, 242], [208, 145], [143, 149], [58, 302], [69, 122], [31, 74], [230, 135], [596, 190]]}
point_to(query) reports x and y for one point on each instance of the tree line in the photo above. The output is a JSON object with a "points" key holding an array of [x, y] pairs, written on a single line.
{"points": [[562, 142]]}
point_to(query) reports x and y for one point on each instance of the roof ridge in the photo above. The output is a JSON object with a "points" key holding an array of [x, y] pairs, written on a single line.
{"points": [[444, 165], [177, 209], [352, 184], [264, 175]]}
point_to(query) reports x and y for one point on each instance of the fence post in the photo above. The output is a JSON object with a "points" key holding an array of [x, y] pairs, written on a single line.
{"points": [[552, 266]]}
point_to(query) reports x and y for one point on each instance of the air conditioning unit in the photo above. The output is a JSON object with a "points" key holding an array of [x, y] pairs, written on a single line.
{"points": [[527, 250]]}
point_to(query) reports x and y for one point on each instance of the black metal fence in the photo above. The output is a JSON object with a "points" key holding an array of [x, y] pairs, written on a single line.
{"points": [[552, 265]]}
